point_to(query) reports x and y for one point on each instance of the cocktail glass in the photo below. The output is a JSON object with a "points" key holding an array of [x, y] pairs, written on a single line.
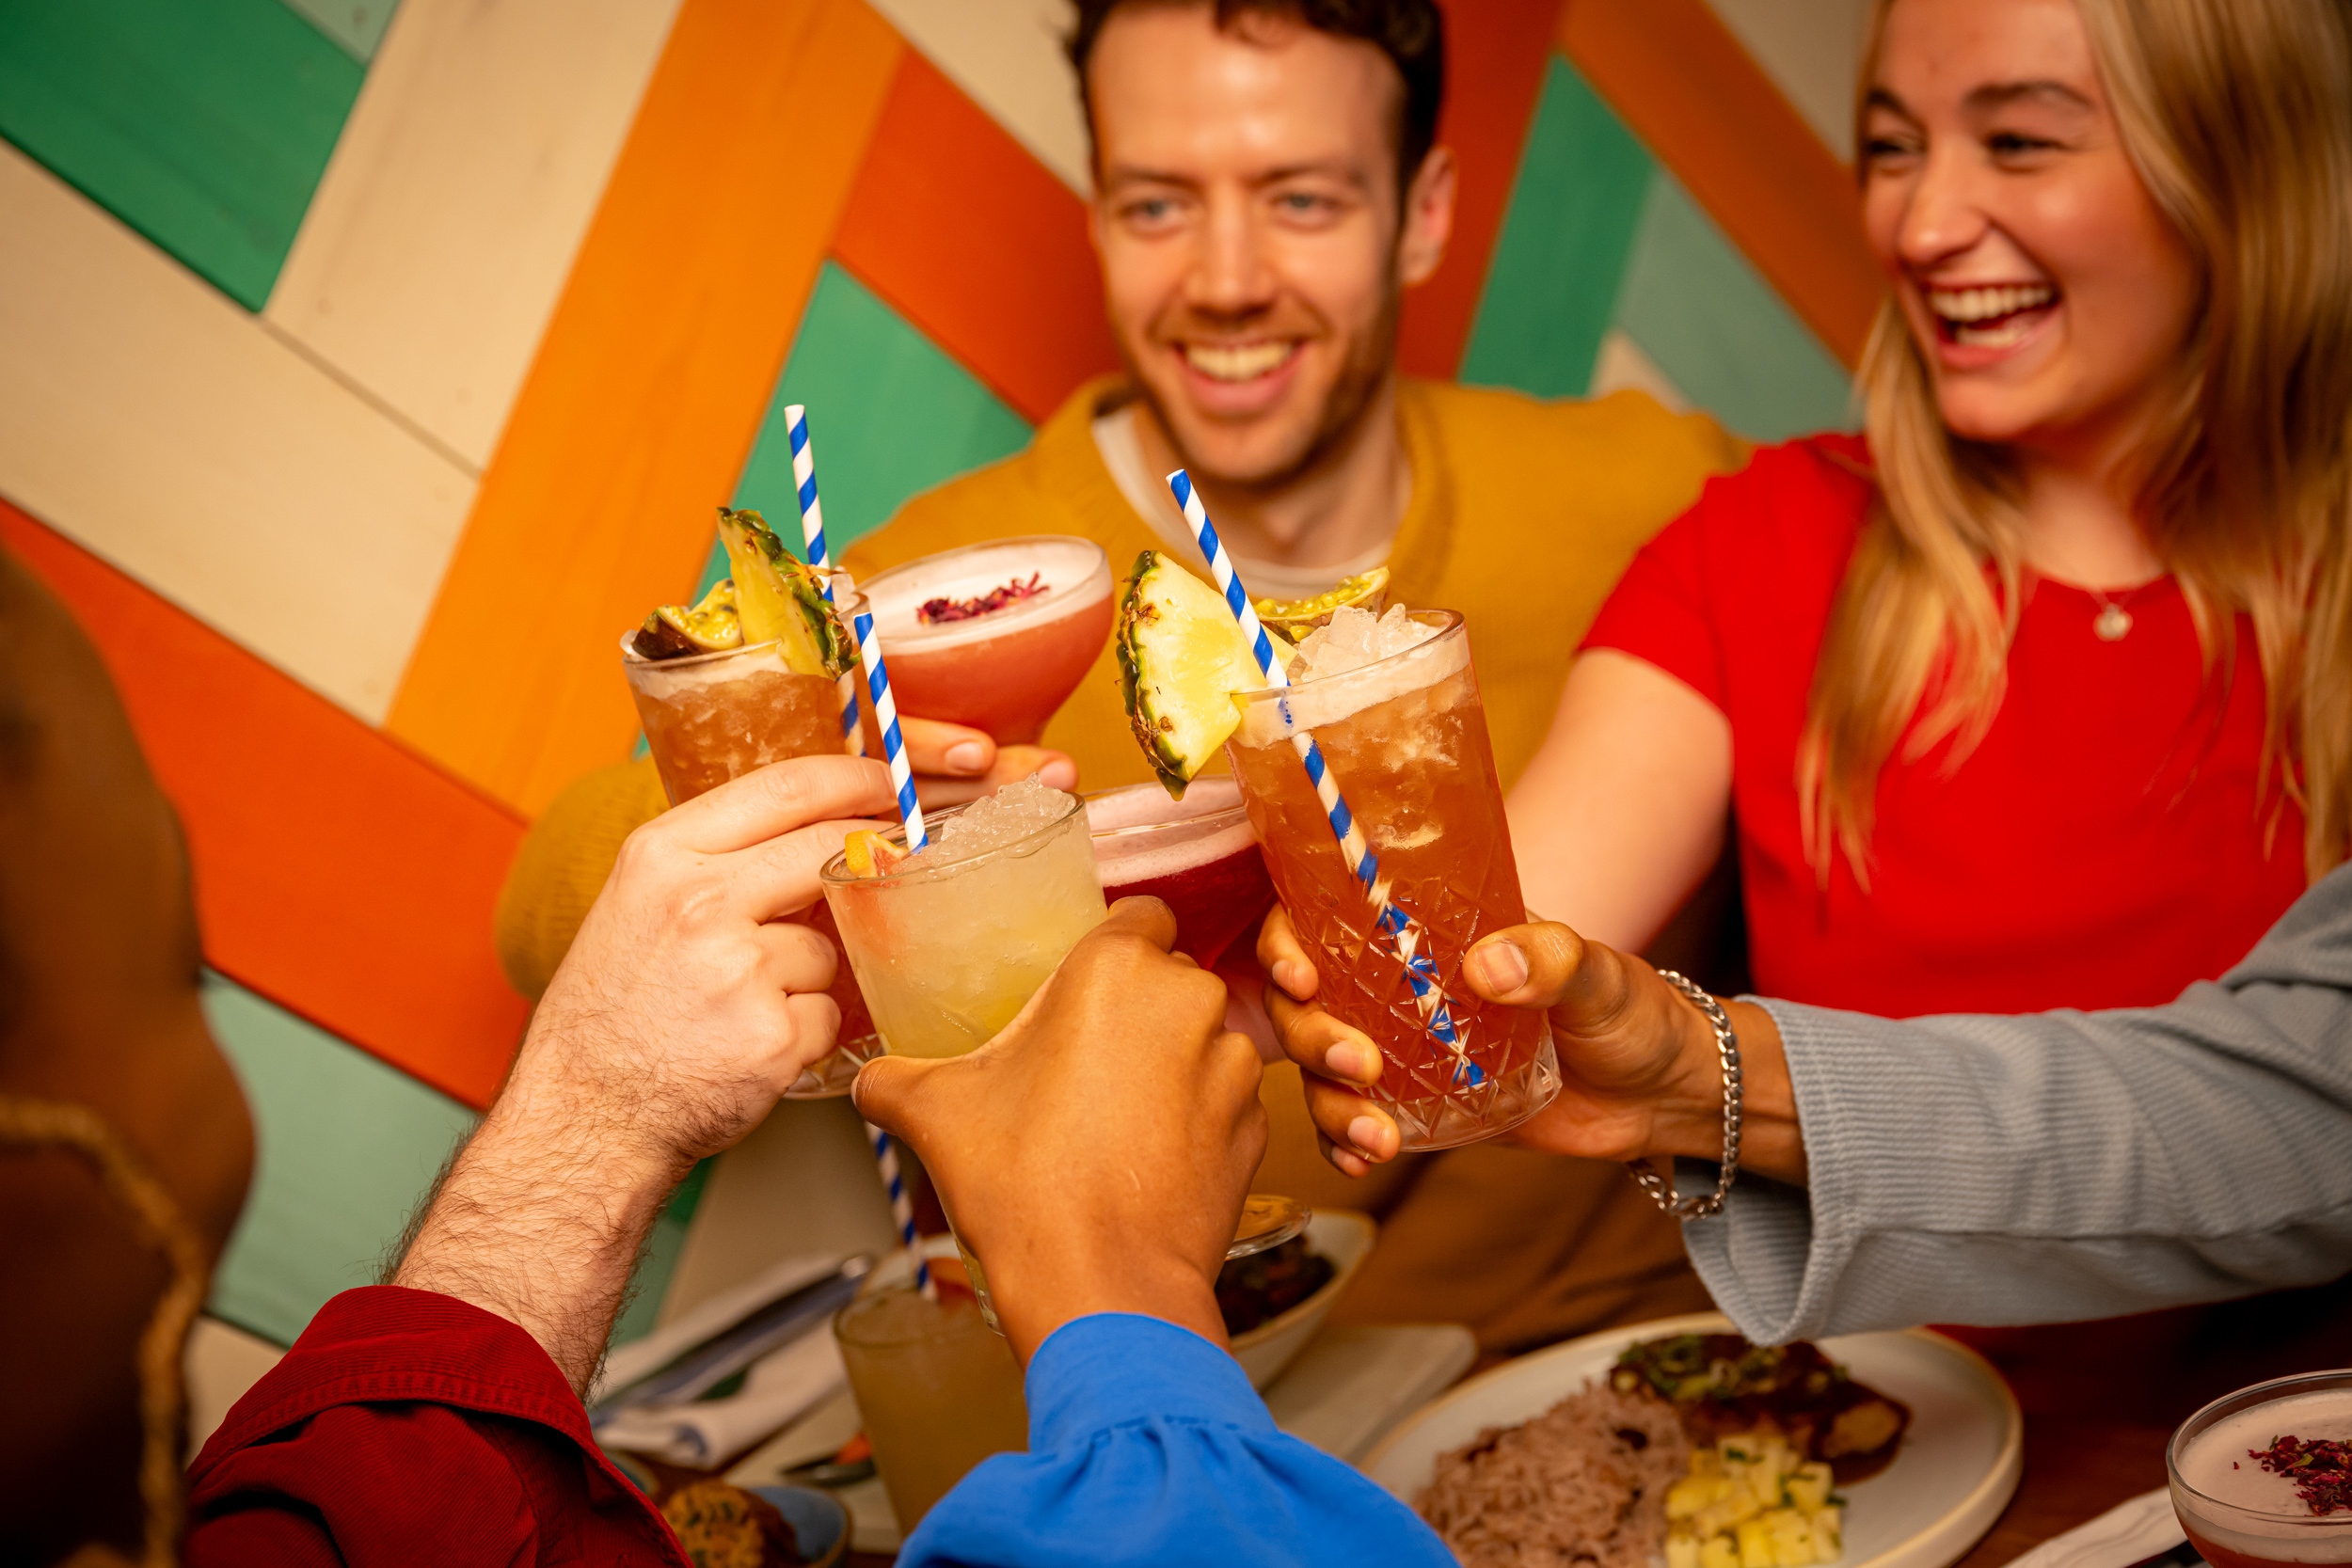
{"points": [[715, 717], [1199, 855], [2238, 1514], [1405, 739], [1008, 670], [947, 952]]}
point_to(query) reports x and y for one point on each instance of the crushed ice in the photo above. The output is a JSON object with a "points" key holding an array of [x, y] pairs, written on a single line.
{"points": [[1353, 638], [1012, 813]]}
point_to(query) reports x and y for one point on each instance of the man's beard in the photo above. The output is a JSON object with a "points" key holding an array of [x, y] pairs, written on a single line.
{"points": [[1344, 411]]}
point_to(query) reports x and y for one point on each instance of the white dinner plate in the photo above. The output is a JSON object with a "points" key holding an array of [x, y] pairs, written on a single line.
{"points": [[1955, 1472]]}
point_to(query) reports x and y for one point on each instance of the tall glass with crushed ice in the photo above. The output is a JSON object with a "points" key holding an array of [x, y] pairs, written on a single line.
{"points": [[1395, 707]]}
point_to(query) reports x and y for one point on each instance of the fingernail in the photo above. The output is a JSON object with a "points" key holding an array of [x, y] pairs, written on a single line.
{"points": [[1060, 773], [1501, 966], [1351, 1062], [967, 756], [1362, 1133]]}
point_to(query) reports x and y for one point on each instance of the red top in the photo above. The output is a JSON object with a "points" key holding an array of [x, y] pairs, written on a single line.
{"points": [[2103, 847], [407, 1428]]}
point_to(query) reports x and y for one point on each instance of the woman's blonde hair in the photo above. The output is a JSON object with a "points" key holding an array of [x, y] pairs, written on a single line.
{"points": [[2237, 114]]}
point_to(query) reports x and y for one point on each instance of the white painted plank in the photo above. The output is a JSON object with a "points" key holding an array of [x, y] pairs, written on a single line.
{"points": [[434, 252], [1813, 50], [220, 1362], [1621, 365], [1007, 55], [146, 416]]}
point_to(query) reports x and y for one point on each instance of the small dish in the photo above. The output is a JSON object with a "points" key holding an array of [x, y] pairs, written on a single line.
{"points": [[818, 1522], [1343, 1236]]}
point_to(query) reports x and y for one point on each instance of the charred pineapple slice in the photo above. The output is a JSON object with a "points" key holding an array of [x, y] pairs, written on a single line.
{"points": [[782, 600], [677, 631], [1293, 619], [1181, 660]]}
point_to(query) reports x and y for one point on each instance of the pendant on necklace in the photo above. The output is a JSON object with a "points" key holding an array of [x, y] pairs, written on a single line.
{"points": [[2112, 623]]}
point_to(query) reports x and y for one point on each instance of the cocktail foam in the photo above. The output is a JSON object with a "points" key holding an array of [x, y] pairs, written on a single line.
{"points": [[1075, 575], [1354, 676], [1139, 833], [2275, 1523], [667, 679]]}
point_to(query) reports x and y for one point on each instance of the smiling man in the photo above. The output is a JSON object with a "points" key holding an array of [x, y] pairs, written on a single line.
{"points": [[1268, 186]]}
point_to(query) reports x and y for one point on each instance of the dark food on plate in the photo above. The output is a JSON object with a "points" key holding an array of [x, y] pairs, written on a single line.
{"points": [[725, 1527], [1250, 1291], [1724, 1386], [1583, 1484]]}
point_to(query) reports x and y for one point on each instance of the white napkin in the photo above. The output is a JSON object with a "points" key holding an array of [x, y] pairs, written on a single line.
{"points": [[2129, 1532], [777, 1390], [639, 1358]]}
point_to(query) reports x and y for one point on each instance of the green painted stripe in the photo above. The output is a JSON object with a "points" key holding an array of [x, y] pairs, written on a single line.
{"points": [[204, 124], [1552, 289], [642, 1310], [346, 1146], [1701, 310], [355, 25], [890, 414]]}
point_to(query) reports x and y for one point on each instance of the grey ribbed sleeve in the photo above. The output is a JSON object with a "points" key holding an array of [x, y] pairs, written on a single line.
{"points": [[2065, 1165]]}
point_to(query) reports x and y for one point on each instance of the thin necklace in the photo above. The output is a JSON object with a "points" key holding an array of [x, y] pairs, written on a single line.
{"points": [[2113, 623]]}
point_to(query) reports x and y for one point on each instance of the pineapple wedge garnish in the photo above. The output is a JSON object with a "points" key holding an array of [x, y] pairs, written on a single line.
{"points": [[1181, 662], [780, 599]]}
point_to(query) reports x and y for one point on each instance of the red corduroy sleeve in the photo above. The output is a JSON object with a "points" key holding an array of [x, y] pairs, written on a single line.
{"points": [[406, 1427]]}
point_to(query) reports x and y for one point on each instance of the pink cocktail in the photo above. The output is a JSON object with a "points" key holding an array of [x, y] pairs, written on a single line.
{"points": [[1199, 855], [2263, 1478], [995, 635]]}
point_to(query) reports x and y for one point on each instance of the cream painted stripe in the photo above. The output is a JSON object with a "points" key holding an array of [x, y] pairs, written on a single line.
{"points": [[1006, 54], [220, 1362], [1621, 366], [1812, 50], [433, 253], [146, 417]]}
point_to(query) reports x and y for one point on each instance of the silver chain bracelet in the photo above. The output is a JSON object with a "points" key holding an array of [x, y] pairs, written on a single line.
{"points": [[1726, 1047]]}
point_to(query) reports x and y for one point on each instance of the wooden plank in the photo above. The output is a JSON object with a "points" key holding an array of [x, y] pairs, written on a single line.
{"points": [[439, 239], [158, 424], [1812, 50], [336, 874], [1006, 54], [204, 124], [1552, 289], [343, 1147], [1712, 116], [978, 245], [648, 388], [1495, 55]]}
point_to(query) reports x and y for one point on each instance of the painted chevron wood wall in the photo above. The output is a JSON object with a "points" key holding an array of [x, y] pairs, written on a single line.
{"points": [[332, 333]]}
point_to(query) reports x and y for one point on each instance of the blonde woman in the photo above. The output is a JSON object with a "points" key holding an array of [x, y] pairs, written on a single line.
{"points": [[2041, 696]]}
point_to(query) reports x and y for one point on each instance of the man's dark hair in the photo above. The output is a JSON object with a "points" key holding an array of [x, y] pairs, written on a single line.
{"points": [[1411, 33]]}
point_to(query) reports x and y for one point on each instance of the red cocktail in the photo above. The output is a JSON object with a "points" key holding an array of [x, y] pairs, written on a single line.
{"points": [[1199, 855], [995, 635], [2263, 1478]]}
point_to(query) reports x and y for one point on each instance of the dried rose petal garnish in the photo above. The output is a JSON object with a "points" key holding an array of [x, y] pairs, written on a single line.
{"points": [[2321, 1470], [935, 612]]}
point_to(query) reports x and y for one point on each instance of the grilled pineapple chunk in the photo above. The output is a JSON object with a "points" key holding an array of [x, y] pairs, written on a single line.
{"points": [[782, 600]]}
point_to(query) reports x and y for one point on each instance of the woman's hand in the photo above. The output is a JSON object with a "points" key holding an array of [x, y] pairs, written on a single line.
{"points": [[954, 764], [1639, 1069]]}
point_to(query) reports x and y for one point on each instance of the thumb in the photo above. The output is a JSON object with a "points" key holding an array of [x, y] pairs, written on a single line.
{"points": [[1535, 965], [889, 1092]]}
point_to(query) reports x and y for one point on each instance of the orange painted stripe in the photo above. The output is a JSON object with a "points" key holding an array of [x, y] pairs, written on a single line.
{"points": [[978, 245], [336, 873], [1495, 54], [1709, 113], [648, 388]]}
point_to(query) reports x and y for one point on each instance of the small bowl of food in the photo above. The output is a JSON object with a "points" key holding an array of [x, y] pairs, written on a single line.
{"points": [[1276, 1300]]}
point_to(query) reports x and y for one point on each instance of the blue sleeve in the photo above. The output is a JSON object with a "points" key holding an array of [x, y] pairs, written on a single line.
{"points": [[1147, 1447]]}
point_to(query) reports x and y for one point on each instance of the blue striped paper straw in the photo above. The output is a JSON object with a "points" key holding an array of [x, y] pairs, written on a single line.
{"points": [[903, 1209], [887, 715], [819, 556], [1403, 931]]}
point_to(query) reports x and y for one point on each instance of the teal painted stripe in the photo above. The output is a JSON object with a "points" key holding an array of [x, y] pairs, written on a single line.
{"points": [[355, 25], [651, 1282], [1552, 290], [1706, 316], [890, 414], [204, 124], [346, 1146]]}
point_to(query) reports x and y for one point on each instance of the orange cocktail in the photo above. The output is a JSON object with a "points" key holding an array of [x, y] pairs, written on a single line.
{"points": [[1405, 738]]}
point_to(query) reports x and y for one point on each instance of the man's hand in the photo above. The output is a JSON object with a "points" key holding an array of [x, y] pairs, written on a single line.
{"points": [[1094, 1155], [953, 764], [1639, 1069], [685, 1008]]}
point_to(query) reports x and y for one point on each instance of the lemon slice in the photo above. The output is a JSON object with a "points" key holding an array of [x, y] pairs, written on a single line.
{"points": [[780, 599], [677, 631], [1292, 619], [1181, 660]]}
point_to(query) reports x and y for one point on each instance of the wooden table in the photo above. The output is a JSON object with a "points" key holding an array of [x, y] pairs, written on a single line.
{"points": [[2102, 1400]]}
